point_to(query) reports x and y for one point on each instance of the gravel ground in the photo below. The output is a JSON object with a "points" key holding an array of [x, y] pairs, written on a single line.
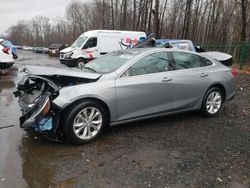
{"points": [[185, 150]]}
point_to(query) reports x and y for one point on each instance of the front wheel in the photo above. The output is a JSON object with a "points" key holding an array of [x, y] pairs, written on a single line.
{"points": [[85, 122], [212, 102], [80, 63]]}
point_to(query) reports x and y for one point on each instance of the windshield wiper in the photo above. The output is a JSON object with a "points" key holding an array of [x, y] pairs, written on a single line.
{"points": [[88, 68]]}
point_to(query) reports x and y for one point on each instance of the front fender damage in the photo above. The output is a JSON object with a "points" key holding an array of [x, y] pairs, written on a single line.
{"points": [[36, 93]]}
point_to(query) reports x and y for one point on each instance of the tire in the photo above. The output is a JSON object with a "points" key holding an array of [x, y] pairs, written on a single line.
{"points": [[80, 63], [84, 122], [212, 102]]}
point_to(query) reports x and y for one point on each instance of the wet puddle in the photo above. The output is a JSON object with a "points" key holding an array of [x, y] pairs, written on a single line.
{"points": [[26, 159]]}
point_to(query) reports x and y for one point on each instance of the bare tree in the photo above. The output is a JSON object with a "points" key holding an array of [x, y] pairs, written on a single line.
{"points": [[187, 18], [156, 17], [243, 4], [203, 21]]}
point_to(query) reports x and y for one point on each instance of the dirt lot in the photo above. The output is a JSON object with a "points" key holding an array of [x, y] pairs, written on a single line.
{"points": [[184, 150]]}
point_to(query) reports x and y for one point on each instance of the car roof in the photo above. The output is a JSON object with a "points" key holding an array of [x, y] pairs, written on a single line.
{"points": [[154, 49], [173, 40]]}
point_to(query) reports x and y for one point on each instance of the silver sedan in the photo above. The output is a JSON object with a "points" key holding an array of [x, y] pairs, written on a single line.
{"points": [[122, 87]]}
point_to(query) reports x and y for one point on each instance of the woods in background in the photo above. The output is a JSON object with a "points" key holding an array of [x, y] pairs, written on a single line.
{"points": [[203, 21]]}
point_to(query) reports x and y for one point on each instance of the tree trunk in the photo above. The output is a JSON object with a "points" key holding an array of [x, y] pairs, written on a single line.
{"points": [[156, 17], [187, 19], [244, 19]]}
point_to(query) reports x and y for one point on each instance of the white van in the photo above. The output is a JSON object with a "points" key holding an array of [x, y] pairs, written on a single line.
{"points": [[95, 43]]}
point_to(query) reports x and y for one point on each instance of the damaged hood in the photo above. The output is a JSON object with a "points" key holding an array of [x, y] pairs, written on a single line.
{"points": [[53, 71]]}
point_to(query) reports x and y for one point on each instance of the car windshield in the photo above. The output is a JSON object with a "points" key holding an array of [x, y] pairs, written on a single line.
{"points": [[110, 62], [78, 42]]}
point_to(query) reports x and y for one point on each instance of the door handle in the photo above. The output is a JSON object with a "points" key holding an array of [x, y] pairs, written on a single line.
{"points": [[166, 79], [203, 74]]}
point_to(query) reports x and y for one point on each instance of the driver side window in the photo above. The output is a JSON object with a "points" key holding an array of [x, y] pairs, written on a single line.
{"points": [[92, 42], [152, 63]]}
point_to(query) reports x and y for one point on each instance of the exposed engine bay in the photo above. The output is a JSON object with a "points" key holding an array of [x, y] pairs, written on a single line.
{"points": [[36, 95]]}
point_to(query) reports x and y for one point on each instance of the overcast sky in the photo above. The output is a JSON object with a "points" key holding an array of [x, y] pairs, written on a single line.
{"points": [[12, 11]]}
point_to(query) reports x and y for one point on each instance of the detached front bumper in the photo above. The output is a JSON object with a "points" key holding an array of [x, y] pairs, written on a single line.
{"points": [[43, 116], [39, 113], [36, 113]]}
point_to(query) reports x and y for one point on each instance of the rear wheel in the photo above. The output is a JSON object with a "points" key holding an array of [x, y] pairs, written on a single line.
{"points": [[212, 102], [80, 63], [85, 122]]}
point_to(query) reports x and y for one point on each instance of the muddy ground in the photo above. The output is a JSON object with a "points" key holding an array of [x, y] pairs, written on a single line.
{"points": [[184, 150]]}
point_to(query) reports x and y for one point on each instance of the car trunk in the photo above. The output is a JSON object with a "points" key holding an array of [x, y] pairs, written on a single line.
{"points": [[223, 58]]}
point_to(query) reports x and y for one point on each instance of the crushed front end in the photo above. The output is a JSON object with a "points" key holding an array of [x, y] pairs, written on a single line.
{"points": [[36, 94]]}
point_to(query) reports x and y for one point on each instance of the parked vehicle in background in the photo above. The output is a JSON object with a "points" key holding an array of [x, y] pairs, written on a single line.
{"points": [[46, 50], [41, 50], [8, 53], [27, 48], [54, 49], [179, 44], [188, 45], [93, 44], [120, 87]]}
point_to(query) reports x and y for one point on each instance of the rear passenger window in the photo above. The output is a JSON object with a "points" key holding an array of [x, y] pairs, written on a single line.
{"points": [[187, 60]]}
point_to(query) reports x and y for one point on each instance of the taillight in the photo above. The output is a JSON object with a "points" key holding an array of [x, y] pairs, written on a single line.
{"points": [[6, 50], [234, 72]]}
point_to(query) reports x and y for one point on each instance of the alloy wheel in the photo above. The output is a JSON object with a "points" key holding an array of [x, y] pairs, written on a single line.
{"points": [[87, 123], [213, 102]]}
